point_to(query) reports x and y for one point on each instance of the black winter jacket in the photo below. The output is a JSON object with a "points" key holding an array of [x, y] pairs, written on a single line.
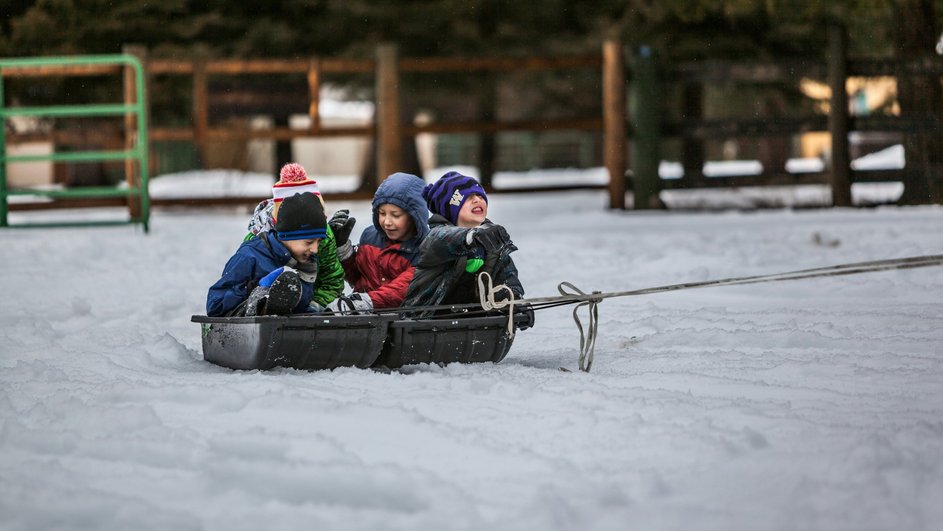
{"points": [[440, 273]]}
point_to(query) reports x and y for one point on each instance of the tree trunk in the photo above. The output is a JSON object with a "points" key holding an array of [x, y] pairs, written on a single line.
{"points": [[920, 97]]}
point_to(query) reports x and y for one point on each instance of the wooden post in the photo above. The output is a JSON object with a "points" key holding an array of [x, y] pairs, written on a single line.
{"points": [[645, 111], [130, 125], [200, 108], [4, 208], [388, 126], [692, 149], [840, 171], [487, 103], [314, 94], [614, 119]]}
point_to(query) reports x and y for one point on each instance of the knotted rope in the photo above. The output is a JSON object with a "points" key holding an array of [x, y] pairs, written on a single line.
{"points": [[486, 293]]}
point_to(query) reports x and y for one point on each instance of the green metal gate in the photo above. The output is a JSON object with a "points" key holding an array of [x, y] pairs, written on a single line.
{"points": [[137, 145]]}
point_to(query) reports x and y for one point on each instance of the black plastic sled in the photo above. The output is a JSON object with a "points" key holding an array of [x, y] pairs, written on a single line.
{"points": [[314, 341]]}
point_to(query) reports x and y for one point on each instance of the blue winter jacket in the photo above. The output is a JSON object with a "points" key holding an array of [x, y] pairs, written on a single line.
{"points": [[253, 260]]}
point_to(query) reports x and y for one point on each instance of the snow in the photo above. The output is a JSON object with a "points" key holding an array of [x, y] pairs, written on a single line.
{"points": [[812, 404]]}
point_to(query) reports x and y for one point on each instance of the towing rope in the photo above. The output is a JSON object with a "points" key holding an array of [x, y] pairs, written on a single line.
{"points": [[570, 294], [592, 300]]}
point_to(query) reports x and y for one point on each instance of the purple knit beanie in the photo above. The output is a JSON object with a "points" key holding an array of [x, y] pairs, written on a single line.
{"points": [[447, 195]]}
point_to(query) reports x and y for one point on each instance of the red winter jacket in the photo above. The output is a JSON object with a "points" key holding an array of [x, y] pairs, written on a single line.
{"points": [[379, 267], [384, 274]]}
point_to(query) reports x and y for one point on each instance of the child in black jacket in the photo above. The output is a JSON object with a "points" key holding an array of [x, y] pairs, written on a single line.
{"points": [[462, 243]]}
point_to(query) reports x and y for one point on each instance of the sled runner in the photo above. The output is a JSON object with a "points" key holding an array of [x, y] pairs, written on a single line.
{"points": [[316, 341]]}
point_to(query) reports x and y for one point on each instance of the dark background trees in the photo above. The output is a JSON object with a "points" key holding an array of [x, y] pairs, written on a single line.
{"points": [[289, 28]]}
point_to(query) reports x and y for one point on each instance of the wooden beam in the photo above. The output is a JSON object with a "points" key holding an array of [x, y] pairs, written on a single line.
{"points": [[838, 116], [506, 64], [614, 120], [389, 127]]}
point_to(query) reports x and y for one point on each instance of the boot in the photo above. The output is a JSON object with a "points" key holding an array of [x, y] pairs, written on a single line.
{"points": [[284, 294]]}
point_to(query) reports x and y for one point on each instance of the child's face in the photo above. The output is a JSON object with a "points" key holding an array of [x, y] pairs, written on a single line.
{"points": [[396, 222], [473, 212], [302, 250]]}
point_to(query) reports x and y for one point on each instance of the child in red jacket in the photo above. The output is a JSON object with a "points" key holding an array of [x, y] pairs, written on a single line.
{"points": [[380, 268]]}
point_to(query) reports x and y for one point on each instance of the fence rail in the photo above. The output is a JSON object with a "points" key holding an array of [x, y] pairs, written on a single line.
{"points": [[631, 98]]}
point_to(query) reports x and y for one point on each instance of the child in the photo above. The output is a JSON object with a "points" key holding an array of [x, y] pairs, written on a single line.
{"points": [[293, 179], [269, 274], [381, 267], [462, 244]]}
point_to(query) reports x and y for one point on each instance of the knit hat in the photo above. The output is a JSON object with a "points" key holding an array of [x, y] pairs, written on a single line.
{"points": [[447, 195], [301, 218], [292, 179]]}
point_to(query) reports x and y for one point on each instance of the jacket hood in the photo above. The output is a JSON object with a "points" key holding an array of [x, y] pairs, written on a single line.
{"points": [[405, 191]]}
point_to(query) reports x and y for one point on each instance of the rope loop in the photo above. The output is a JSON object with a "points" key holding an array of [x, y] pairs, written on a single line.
{"points": [[587, 340], [486, 293]]}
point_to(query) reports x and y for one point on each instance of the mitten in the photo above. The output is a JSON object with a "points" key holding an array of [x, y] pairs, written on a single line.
{"points": [[492, 238], [341, 224], [361, 301], [269, 279], [355, 302]]}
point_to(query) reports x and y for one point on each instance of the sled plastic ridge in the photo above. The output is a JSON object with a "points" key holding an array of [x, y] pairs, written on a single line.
{"points": [[442, 341], [309, 342], [314, 342]]}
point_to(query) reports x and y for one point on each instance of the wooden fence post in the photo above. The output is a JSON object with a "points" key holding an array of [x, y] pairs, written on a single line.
{"points": [[614, 119], [840, 171], [692, 149], [314, 95], [645, 112], [131, 174], [388, 126], [200, 109]]}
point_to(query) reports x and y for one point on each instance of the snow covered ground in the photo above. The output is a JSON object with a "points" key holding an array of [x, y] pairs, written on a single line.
{"points": [[811, 405]]}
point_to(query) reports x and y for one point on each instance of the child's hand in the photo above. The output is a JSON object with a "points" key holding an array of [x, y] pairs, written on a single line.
{"points": [[492, 238], [267, 280], [355, 302], [342, 224]]}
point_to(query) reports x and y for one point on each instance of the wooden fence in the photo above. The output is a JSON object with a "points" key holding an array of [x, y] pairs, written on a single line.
{"points": [[632, 123], [924, 171]]}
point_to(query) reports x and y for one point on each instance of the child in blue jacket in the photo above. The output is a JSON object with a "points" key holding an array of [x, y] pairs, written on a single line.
{"points": [[271, 274]]}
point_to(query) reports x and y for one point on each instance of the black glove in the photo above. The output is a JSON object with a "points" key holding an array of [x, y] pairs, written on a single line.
{"points": [[341, 224], [492, 238], [528, 311]]}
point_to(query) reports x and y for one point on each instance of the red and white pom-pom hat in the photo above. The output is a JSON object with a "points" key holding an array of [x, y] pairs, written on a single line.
{"points": [[293, 179]]}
